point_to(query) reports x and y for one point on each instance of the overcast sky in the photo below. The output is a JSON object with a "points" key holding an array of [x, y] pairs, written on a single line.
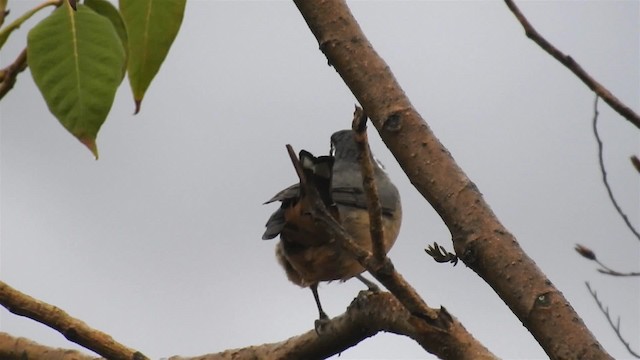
{"points": [[158, 242]]}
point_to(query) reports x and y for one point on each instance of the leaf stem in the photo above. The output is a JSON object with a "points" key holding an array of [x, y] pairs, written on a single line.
{"points": [[7, 30]]}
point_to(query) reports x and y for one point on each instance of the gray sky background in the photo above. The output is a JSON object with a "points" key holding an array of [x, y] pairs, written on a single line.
{"points": [[158, 242]]}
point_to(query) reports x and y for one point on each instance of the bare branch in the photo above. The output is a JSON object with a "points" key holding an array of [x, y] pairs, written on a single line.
{"points": [[19, 348], [616, 326], [624, 216], [9, 74], [608, 271], [635, 162], [73, 329], [359, 126], [368, 314], [572, 65], [480, 240], [604, 269]]}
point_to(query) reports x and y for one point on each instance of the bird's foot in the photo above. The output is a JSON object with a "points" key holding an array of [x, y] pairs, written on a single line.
{"points": [[321, 324]]}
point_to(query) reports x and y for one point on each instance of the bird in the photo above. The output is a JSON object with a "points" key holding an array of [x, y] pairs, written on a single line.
{"points": [[308, 252]]}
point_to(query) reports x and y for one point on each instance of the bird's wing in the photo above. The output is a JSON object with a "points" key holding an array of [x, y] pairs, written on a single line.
{"points": [[290, 193]]}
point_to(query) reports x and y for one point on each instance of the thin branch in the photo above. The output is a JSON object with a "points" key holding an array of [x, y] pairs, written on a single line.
{"points": [[608, 271], [635, 162], [376, 261], [604, 269], [9, 74], [6, 31], [604, 172], [616, 326], [572, 65], [72, 329], [359, 126]]}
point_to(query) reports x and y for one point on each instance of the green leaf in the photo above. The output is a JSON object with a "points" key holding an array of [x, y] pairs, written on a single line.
{"points": [[76, 60], [152, 25], [106, 9]]}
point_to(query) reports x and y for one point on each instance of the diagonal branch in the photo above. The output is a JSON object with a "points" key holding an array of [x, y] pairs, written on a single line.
{"points": [[15, 348], [368, 314], [9, 74], [73, 329], [359, 126], [572, 65], [616, 326], [480, 240]]}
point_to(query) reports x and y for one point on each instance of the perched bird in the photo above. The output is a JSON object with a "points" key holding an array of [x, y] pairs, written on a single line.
{"points": [[307, 251]]}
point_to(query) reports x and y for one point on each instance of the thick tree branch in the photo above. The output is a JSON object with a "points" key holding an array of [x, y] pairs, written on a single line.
{"points": [[572, 65], [73, 329], [13, 348], [480, 240], [368, 314]]}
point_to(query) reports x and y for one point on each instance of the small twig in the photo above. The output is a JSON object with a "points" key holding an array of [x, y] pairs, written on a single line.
{"points": [[9, 74], [572, 65], [608, 271], [73, 329], [635, 162], [359, 126], [297, 166], [604, 172], [591, 255], [616, 326]]}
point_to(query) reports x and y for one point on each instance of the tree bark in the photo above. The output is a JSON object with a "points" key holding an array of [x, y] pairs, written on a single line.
{"points": [[480, 240], [73, 329], [18, 348]]}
